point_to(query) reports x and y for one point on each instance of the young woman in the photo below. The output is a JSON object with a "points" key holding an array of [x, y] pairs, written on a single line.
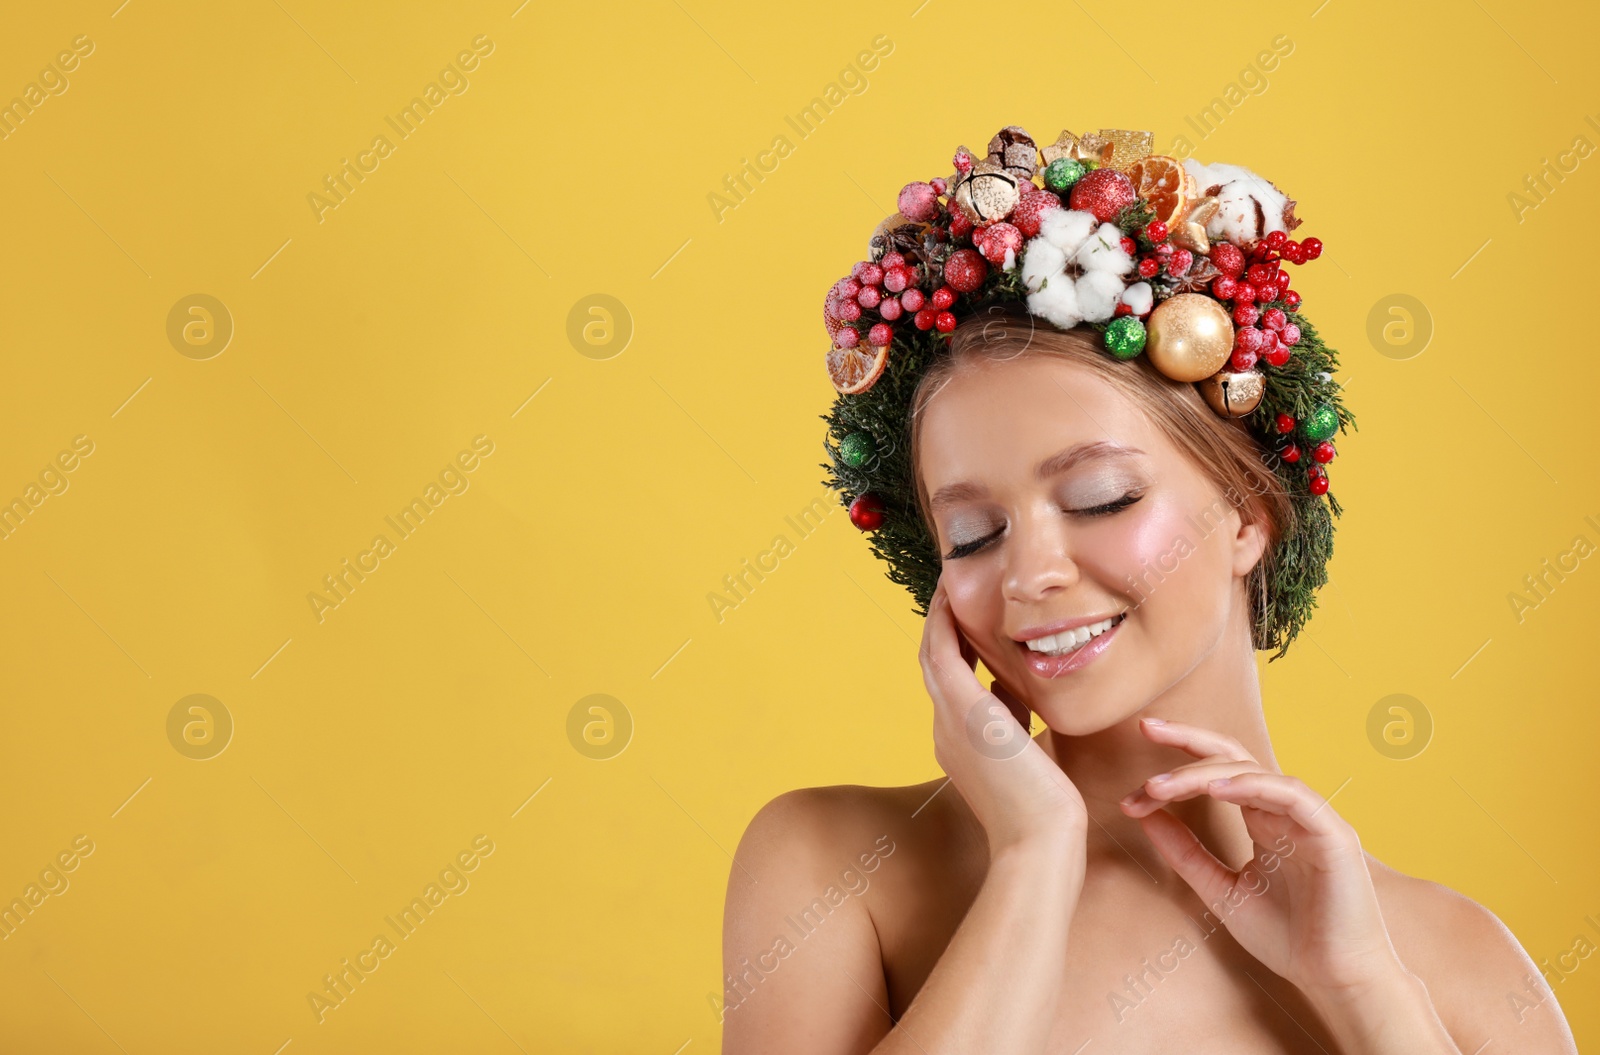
{"points": [[1141, 876]]}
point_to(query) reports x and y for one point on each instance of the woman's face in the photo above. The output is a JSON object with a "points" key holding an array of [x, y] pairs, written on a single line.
{"points": [[1067, 520]]}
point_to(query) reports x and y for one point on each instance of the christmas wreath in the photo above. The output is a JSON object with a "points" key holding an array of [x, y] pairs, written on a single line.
{"points": [[1171, 259]]}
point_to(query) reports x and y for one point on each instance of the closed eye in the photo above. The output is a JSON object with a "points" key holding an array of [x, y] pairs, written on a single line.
{"points": [[966, 549]]}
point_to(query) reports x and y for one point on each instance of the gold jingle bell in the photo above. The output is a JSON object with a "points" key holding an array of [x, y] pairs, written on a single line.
{"points": [[1190, 337], [1233, 393]]}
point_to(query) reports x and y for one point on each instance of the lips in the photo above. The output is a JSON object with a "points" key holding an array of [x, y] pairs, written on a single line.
{"points": [[1060, 653]]}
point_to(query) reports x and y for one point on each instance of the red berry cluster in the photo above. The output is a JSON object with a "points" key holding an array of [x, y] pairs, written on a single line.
{"points": [[889, 288], [1247, 282], [1321, 454], [1163, 258]]}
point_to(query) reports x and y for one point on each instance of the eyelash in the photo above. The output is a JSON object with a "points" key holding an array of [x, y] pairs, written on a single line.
{"points": [[966, 549]]}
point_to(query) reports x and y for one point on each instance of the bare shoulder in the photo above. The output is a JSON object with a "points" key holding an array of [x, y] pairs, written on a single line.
{"points": [[1483, 983], [801, 923]]}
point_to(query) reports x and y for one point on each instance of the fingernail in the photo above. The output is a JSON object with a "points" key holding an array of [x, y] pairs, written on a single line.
{"points": [[1221, 782], [1155, 721], [1128, 799], [1159, 777]]}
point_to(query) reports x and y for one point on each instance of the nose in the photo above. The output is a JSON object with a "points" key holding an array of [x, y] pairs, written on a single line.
{"points": [[1038, 559]]}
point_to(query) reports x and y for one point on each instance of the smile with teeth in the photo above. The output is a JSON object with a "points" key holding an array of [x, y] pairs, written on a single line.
{"points": [[1072, 640]]}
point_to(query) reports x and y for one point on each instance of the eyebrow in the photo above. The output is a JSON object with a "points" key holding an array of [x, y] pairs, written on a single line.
{"points": [[1054, 465]]}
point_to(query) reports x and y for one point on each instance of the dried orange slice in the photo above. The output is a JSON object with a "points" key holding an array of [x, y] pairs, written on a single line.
{"points": [[854, 370], [1164, 183]]}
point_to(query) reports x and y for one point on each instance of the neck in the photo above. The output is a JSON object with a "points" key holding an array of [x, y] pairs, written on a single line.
{"points": [[1221, 693]]}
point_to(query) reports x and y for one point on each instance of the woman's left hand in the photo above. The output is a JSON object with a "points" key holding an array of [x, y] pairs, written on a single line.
{"points": [[1305, 905]]}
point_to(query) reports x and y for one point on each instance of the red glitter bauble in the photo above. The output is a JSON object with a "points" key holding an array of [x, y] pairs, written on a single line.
{"points": [[866, 512], [966, 270], [1228, 259], [1323, 452], [1030, 211], [919, 202], [912, 299], [1284, 423], [1103, 192], [1319, 485], [944, 322], [943, 297], [996, 239]]}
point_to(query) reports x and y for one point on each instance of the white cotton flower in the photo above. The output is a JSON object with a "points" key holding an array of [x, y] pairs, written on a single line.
{"points": [[1040, 260], [1249, 207], [1103, 251], [1066, 229], [1098, 292], [1139, 297], [1057, 302], [1074, 268]]}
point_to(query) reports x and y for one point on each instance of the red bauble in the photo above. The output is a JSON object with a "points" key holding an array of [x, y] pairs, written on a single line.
{"points": [[1291, 299], [1156, 232], [1272, 319], [1245, 314], [880, 334], [944, 322], [1284, 423], [924, 318], [849, 310], [1276, 355], [896, 277], [1228, 259], [996, 240], [919, 202], [1129, 246], [1259, 275], [1323, 453], [960, 226], [1243, 358], [1243, 293], [1319, 485], [871, 275], [847, 338], [1149, 265], [1291, 454], [1103, 192], [965, 271], [866, 512], [1222, 287], [891, 260], [943, 297], [1030, 211], [1277, 240], [1312, 248], [869, 296], [1290, 334], [912, 299], [1180, 263], [890, 309]]}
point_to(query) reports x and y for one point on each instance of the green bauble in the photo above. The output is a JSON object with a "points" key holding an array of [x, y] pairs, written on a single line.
{"points": [[856, 449], [1062, 173], [1125, 337], [1320, 424]]}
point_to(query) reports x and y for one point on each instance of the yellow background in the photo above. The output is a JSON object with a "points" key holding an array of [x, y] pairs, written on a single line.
{"points": [[372, 746]]}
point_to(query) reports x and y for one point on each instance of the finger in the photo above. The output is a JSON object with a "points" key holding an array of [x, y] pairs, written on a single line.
{"points": [[1186, 782], [1286, 795], [1185, 855], [949, 678], [1194, 739]]}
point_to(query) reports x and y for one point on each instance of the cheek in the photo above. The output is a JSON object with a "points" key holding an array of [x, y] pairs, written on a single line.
{"points": [[1148, 542]]}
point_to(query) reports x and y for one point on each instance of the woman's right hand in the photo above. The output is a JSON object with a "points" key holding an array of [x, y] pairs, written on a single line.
{"points": [[1019, 795]]}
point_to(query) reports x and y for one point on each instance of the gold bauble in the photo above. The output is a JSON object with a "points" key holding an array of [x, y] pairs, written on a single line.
{"points": [[1190, 337], [1234, 393], [988, 193]]}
